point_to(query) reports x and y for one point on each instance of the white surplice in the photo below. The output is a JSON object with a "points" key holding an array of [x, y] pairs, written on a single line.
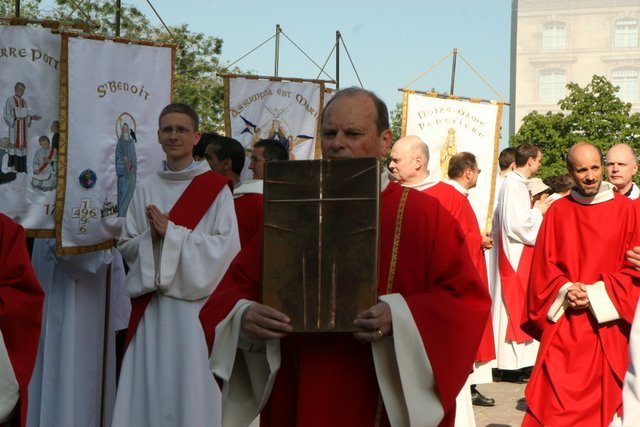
{"points": [[631, 385], [66, 386], [165, 378], [518, 224]]}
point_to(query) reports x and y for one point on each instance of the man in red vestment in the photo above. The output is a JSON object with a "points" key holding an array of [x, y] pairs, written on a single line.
{"points": [[409, 164], [581, 300], [266, 150], [622, 165], [21, 299], [417, 345], [226, 156]]}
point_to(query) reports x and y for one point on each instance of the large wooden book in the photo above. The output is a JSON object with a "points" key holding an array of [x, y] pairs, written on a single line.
{"points": [[320, 253]]}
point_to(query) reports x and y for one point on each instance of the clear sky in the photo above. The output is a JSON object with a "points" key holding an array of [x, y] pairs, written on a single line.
{"points": [[390, 42]]}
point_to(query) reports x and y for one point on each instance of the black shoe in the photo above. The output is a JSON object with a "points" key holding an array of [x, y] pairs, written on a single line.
{"points": [[478, 399]]}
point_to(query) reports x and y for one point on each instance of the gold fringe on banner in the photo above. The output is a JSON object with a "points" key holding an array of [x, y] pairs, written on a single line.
{"points": [[494, 171], [317, 153], [173, 67], [115, 39], [405, 103], [454, 97], [227, 107], [62, 156], [276, 79]]}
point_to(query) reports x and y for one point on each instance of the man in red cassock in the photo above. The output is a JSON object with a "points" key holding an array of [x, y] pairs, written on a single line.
{"points": [[21, 299], [226, 156], [409, 164], [581, 300], [417, 345]]}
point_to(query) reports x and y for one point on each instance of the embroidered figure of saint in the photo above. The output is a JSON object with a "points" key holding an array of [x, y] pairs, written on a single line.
{"points": [[447, 151], [17, 117], [45, 166], [126, 167]]}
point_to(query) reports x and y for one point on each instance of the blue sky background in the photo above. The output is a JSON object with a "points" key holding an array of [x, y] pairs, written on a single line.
{"points": [[391, 43]]}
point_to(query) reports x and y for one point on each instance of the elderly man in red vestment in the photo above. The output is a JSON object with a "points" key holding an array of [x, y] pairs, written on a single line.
{"points": [[409, 164], [21, 299], [417, 345], [581, 300]]}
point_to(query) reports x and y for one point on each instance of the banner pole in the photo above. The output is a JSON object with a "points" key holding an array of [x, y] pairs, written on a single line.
{"points": [[277, 59], [338, 37], [118, 16], [453, 70], [105, 347]]}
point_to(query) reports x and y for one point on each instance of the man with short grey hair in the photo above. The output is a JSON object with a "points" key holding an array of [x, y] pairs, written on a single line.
{"points": [[430, 315], [622, 166]]}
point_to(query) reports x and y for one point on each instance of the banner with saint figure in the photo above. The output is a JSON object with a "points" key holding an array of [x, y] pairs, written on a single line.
{"points": [[449, 126], [29, 90], [288, 111], [116, 91]]}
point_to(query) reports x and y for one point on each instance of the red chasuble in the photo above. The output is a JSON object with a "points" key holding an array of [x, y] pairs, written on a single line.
{"points": [[249, 214], [329, 380], [21, 299], [188, 210], [577, 379], [458, 206]]}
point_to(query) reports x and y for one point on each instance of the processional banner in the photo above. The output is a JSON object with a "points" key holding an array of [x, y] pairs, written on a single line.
{"points": [[29, 90], [449, 126], [288, 111], [115, 93]]}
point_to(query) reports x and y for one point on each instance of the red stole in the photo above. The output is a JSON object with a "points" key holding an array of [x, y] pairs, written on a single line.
{"points": [[21, 124], [514, 290], [47, 162], [188, 210]]}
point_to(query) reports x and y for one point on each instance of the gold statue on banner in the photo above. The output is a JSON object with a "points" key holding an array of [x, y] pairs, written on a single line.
{"points": [[448, 150]]}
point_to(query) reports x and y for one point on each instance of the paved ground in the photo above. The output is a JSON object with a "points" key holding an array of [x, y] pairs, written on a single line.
{"points": [[510, 405]]}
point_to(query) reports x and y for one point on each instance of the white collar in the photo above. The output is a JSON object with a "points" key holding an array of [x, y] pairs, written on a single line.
{"points": [[605, 193], [165, 167], [252, 186], [455, 184], [429, 181]]}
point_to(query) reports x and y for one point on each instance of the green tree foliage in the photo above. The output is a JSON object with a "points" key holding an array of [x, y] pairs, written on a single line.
{"points": [[28, 8], [197, 60], [593, 113], [395, 117]]}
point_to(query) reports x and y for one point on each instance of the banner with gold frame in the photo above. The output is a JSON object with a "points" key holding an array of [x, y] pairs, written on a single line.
{"points": [[112, 93], [30, 87], [285, 109], [449, 125]]}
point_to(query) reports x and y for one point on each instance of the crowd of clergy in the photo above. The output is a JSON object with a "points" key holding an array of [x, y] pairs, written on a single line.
{"points": [[167, 329]]}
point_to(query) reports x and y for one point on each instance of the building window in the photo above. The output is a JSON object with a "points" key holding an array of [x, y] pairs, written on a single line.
{"points": [[554, 35], [627, 80], [626, 33], [552, 86]]}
